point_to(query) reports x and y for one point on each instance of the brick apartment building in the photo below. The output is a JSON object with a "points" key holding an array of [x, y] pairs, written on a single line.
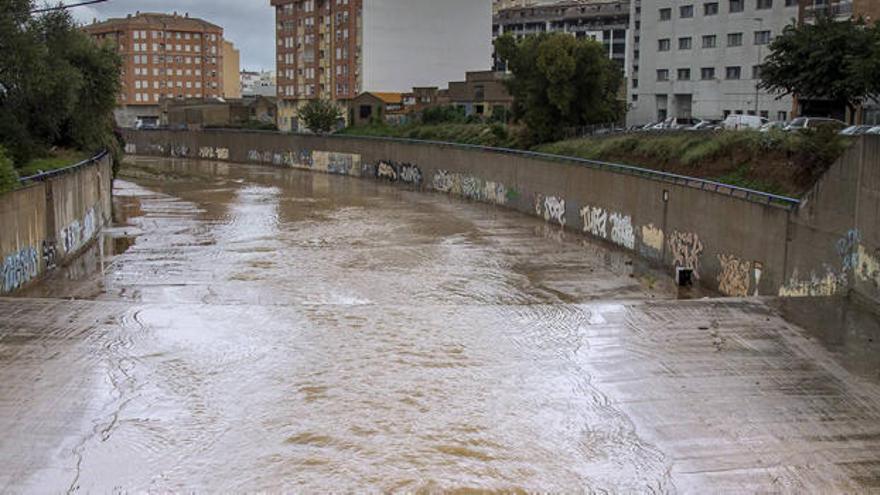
{"points": [[164, 56], [337, 49]]}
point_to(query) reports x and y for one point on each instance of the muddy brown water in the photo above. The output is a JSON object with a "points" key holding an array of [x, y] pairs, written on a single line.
{"points": [[255, 329]]}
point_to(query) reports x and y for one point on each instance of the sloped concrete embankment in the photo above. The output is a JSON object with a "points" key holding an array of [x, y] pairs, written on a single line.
{"points": [[740, 243], [51, 220]]}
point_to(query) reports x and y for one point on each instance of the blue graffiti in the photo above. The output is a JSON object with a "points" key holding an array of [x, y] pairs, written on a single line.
{"points": [[19, 269], [848, 249]]}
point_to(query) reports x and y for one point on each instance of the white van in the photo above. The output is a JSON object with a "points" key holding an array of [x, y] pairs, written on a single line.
{"points": [[736, 122]]}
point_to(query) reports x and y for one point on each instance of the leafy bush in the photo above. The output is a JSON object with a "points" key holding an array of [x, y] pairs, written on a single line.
{"points": [[320, 116], [8, 177], [443, 115]]}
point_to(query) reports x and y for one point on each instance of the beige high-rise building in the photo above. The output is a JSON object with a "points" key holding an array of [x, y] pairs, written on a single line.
{"points": [[231, 71], [164, 56]]}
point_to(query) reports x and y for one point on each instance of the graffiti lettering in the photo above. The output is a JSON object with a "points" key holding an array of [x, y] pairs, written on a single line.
{"points": [[652, 240], [847, 249], [130, 148], [554, 209], [19, 269], [734, 277], [49, 255], [75, 235], [595, 221], [686, 249], [622, 232], [814, 286]]}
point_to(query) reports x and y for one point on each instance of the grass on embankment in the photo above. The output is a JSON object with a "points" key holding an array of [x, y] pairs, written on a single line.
{"points": [[56, 159], [495, 135], [775, 162]]}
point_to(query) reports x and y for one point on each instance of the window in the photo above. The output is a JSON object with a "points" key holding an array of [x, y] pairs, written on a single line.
{"points": [[734, 39], [665, 14], [684, 74], [684, 43], [734, 72], [707, 73], [762, 37], [710, 8], [737, 6], [782, 116], [662, 74], [710, 41], [791, 3], [664, 45], [764, 4], [635, 83], [686, 11]]}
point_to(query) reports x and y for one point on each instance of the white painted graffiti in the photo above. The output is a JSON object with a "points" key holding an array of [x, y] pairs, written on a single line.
{"points": [[179, 151], [595, 221], [19, 269], [130, 148], [759, 272], [622, 232], [554, 209], [869, 266], [386, 171], [221, 153], [686, 249], [410, 174], [734, 279], [79, 232], [813, 286], [471, 187]]}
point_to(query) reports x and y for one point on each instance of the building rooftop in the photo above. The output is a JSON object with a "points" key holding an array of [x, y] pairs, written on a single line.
{"points": [[389, 98], [153, 19]]}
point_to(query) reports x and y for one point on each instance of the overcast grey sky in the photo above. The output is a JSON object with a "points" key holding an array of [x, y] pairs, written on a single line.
{"points": [[250, 24]]}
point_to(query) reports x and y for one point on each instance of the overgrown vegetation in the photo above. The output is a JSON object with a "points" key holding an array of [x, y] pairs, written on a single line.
{"points": [[53, 160], [483, 134], [775, 162], [560, 81], [320, 116], [8, 176], [57, 87]]}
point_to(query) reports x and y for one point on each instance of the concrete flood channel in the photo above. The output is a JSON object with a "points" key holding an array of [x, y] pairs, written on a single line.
{"points": [[248, 328]]}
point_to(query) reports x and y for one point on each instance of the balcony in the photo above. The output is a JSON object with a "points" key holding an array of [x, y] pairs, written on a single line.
{"points": [[839, 10]]}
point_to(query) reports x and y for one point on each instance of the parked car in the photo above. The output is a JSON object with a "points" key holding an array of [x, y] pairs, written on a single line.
{"points": [[737, 122], [676, 123], [874, 130], [856, 130], [779, 124], [649, 126], [801, 123], [706, 125]]}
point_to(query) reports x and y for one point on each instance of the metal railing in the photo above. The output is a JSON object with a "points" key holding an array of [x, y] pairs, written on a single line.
{"points": [[656, 175], [62, 171]]}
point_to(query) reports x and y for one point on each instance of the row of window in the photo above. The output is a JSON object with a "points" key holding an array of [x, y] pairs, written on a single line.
{"points": [[177, 59], [706, 74], [712, 8], [171, 84], [145, 47], [142, 35], [138, 71], [711, 41], [146, 97]]}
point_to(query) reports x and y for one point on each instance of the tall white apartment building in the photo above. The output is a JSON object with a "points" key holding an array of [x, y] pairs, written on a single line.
{"points": [[699, 58]]}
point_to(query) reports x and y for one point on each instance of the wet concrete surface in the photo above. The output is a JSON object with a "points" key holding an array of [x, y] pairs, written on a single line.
{"points": [[243, 328]]}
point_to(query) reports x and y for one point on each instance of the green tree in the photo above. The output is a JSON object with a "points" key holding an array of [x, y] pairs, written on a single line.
{"points": [[827, 60], [320, 116], [560, 81], [57, 87]]}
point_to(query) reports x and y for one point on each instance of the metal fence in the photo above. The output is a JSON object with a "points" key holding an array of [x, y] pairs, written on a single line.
{"points": [[62, 171]]}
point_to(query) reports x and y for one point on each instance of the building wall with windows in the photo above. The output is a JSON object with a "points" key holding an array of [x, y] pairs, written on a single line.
{"points": [[336, 49], [699, 58], [164, 56], [605, 21]]}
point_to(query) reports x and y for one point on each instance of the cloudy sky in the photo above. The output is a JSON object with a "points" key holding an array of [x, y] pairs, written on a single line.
{"points": [[250, 24]]}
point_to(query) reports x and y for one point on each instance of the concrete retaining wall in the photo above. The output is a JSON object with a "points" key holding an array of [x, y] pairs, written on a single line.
{"points": [[736, 243], [49, 222]]}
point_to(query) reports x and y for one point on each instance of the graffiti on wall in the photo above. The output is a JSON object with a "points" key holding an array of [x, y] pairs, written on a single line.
{"points": [[595, 221], [735, 277], [155, 149], [179, 151], [75, 235], [335, 163], [848, 250], [470, 187], [551, 208], [209, 152], [814, 285], [686, 249], [758, 269], [868, 266], [622, 232], [131, 148], [399, 172], [19, 269], [50, 256], [652, 240]]}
